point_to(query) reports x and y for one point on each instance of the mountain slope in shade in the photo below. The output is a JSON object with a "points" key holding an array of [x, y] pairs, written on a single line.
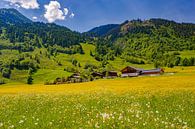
{"points": [[102, 30], [17, 28], [12, 16]]}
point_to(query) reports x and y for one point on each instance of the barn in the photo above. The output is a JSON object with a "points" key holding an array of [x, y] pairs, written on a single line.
{"points": [[134, 72], [152, 72], [130, 72]]}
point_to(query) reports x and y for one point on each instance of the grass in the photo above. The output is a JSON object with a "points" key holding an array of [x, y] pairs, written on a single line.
{"points": [[166, 101], [187, 54], [44, 75], [66, 59]]}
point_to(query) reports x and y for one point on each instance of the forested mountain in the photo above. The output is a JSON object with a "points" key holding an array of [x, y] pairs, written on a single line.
{"points": [[150, 40], [17, 28], [12, 16], [102, 30]]}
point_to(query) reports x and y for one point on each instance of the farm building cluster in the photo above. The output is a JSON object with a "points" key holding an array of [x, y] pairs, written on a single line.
{"points": [[126, 72]]}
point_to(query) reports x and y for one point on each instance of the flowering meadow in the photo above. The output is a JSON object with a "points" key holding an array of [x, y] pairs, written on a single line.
{"points": [[108, 111], [133, 103]]}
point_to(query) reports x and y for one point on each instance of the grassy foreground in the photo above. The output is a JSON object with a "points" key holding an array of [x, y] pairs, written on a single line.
{"points": [[146, 102]]}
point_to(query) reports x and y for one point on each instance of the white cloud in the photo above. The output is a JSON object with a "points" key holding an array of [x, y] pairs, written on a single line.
{"points": [[66, 11], [54, 12], [27, 4], [34, 18], [72, 15]]}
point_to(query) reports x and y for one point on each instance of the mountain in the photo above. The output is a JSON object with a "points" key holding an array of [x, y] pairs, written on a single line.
{"points": [[147, 26], [12, 16], [102, 30], [17, 28], [151, 40]]}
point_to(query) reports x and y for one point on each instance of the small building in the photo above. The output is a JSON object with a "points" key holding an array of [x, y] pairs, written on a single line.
{"points": [[110, 74], [152, 72], [134, 72], [75, 75], [96, 74], [131, 72]]}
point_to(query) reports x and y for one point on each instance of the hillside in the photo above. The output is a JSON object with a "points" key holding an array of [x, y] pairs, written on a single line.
{"points": [[44, 52], [17, 28], [12, 16], [149, 40]]}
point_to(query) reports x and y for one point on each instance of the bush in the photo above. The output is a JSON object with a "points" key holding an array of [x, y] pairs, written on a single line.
{"points": [[74, 62], [2, 81], [88, 65], [30, 80], [135, 60], [185, 62], [176, 53], [6, 72]]}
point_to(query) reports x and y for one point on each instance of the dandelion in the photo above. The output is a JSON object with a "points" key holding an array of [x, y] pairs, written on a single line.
{"points": [[36, 123]]}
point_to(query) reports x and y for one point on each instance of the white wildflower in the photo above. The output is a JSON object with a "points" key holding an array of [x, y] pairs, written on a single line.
{"points": [[21, 121], [1, 124]]}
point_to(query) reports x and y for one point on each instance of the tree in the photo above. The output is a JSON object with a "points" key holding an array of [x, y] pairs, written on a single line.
{"points": [[177, 61], [6, 72], [74, 62], [192, 61], [30, 80], [185, 62], [91, 53]]}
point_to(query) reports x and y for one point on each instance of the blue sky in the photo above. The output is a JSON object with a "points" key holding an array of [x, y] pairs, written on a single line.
{"points": [[82, 15]]}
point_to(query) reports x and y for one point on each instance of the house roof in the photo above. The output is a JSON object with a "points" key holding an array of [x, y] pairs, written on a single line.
{"points": [[138, 69]]}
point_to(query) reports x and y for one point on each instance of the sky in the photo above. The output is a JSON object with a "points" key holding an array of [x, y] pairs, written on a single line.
{"points": [[83, 15]]}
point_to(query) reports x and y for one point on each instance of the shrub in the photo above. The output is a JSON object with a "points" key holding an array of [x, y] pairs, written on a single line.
{"points": [[29, 80], [6, 72], [185, 62], [135, 60], [2, 81]]}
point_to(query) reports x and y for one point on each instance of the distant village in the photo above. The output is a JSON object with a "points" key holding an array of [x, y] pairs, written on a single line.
{"points": [[128, 71]]}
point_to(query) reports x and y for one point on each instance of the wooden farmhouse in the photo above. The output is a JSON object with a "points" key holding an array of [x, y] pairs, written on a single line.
{"points": [[134, 72], [131, 72]]}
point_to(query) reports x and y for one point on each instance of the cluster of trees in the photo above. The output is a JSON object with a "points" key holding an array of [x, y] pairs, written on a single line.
{"points": [[53, 50], [171, 60], [22, 62], [40, 33]]}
